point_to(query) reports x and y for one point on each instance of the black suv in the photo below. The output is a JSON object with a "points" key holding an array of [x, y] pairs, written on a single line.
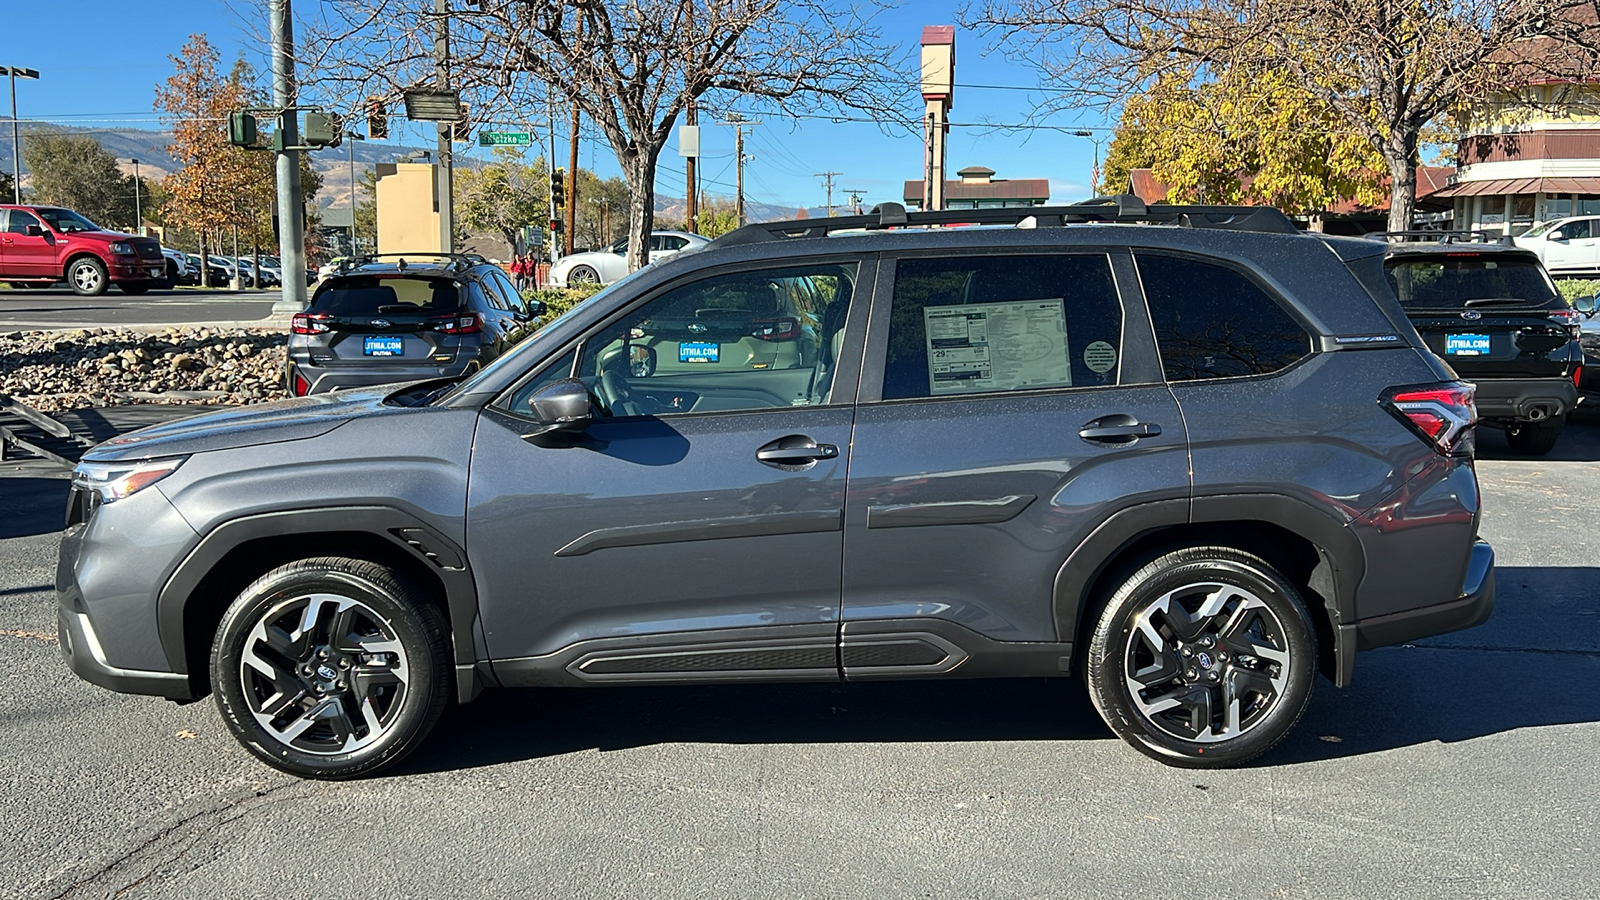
{"points": [[1490, 310], [423, 315], [1187, 453]]}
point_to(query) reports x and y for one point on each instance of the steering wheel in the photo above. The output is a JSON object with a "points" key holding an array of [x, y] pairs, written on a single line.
{"points": [[615, 393]]}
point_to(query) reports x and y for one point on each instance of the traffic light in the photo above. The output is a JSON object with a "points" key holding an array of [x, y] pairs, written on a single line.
{"points": [[377, 120], [322, 130], [461, 129], [241, 129], [558, 187], [555, 226]]}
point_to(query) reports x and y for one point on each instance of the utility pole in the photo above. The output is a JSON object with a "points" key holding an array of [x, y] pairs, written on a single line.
{"points": [[550, 112], [572, 160], [855, 200], [739, 122], [691, 118], [444, 189], [138, 206], [828, 177], [14, 73], [291, 225]]}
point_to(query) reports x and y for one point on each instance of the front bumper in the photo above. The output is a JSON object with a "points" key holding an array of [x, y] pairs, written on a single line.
{"points": [[1525, 399], [80, 645]]}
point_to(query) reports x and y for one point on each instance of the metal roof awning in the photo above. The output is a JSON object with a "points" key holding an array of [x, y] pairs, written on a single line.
{"points": [[1499, 187]]}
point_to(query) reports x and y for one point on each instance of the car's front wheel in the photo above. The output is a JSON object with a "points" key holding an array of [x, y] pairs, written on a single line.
{"points": [[331, 667], [583, 275], [1203, 658], [87, 276]]}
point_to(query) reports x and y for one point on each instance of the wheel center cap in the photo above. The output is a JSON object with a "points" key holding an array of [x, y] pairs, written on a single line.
{"points": [[327, 673], [1204, 659]]}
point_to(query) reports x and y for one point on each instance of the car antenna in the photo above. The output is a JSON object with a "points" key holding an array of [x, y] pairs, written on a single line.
{"points": [[402, 264]]}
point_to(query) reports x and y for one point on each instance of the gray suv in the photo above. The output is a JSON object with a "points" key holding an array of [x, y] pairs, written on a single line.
{"points": [[1185, 453], [402, 317]]}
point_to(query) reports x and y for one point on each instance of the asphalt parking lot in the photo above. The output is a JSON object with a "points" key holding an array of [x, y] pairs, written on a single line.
{"points": [[1462, 766], [59, 307]]}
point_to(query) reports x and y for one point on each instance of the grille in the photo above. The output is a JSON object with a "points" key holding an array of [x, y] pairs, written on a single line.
{"points": [[146, 248]]}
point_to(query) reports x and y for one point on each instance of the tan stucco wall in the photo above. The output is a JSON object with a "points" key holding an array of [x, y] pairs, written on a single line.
{"points": [[407, 219]]}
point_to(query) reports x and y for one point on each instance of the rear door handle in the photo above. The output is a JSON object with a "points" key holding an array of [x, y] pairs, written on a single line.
{"points": [[1119, 428], [795, 450]]}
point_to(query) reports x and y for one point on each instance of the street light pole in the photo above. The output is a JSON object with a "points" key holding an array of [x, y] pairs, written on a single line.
{"points": [[352, 146], [138, 206], [15, 72]]}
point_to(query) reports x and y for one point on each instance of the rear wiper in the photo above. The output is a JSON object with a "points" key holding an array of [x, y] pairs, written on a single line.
{"points": [[1491, 301]]}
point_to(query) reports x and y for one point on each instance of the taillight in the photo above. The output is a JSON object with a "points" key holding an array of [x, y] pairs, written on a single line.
{"points": [[310, 323], [1444, 414], [786, 328], [1570, 318], [461, 323]]}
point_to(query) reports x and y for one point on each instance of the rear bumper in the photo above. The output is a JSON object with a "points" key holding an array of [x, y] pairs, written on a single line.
{"points": [[1471, 609], [1525, 399]]}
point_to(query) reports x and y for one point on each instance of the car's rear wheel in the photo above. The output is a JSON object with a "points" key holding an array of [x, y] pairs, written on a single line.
{"points": [[1529, 439], [87, 276], [583, 275], [331, 667], [1204, 658]]}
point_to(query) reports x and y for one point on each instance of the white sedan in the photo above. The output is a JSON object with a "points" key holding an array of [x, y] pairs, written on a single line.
{"points": [[611, 264]]}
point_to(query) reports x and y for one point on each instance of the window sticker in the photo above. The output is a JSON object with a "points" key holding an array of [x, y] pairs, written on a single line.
{"points": [[1100, 357], [997, 346]]}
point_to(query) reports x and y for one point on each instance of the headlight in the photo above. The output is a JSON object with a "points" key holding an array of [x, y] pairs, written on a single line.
{"points": [[114, 481], [122, 248]]}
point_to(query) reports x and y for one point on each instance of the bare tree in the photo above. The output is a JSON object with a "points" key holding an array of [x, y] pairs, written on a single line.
{"points": [[631, 65], [1388, 68]]}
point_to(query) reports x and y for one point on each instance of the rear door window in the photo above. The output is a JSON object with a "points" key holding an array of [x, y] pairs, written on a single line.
{"points": [[377, 295], [970, 325]]}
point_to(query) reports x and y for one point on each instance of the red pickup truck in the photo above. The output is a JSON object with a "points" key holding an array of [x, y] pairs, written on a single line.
{"points": [[41, 245]]}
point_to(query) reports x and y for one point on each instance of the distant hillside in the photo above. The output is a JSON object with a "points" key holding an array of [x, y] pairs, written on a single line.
{"points": [[150, 149]]}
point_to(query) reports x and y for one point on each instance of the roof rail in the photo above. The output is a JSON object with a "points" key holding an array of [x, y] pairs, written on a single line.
{"points": [[1118, 209], [458, 260], [1442, 237]]}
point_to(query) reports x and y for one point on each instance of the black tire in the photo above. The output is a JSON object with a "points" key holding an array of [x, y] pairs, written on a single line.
{"points": [[87, 276], [1528, 439], [583, 275], [1258, 646], [291, 697], [133, 287]]}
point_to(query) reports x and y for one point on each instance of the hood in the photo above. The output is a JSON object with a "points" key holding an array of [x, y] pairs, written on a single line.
{"points": [[269, 423]]}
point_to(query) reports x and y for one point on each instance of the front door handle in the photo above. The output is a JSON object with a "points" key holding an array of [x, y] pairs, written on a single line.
{"points": [[1119, 428], [795, 450]]}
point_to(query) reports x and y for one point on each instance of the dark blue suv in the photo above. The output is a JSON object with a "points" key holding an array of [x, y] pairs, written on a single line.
{"points": [[1186, 453]]}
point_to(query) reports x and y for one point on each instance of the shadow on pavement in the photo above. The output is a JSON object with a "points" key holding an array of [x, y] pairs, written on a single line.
{"points": [[32, 506], [1579, 441], [1525, 668], [526, 723]]}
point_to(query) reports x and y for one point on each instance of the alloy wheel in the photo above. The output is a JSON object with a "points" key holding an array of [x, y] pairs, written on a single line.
{"points": [[324, 673], [1206, 662], [86, 277]]}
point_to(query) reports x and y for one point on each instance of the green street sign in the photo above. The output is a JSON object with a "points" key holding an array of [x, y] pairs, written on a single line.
{"points": [[504, 139]]}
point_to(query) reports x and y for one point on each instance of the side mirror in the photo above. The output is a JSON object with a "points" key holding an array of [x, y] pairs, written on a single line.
{"points": [[536, 308], [35, 231], [1557, 235], [562, 406], [1585, 305]]}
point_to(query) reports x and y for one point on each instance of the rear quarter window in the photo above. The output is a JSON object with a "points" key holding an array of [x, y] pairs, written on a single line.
{"points": [[1212, 321]]}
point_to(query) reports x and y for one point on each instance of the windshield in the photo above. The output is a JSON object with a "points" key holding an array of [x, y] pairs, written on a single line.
{"points": [[369, 295], [65, 221], [1537, 230], [1457, 280], [520, 359]]}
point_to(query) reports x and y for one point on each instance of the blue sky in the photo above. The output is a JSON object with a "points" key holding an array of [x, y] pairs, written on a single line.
{"points": [[100, 66]]}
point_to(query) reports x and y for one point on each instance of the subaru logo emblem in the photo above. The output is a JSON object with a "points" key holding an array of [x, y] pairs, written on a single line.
{"points": [[326, 673], [1472, 315], [697, 328], [380, 323], [1205, 660]]}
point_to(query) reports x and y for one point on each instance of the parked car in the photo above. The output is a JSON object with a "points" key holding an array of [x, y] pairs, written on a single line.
{"points": [[1490, 310], [177, 267], [1186, 453], [610, 265], [218, 275], [42, 245], [418, 316], [1568, 246], [268, 277]]}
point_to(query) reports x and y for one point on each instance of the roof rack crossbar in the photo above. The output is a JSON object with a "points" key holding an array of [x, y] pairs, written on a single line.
{"points": [[1443, 237], [1120, 209], [458, 260]]}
